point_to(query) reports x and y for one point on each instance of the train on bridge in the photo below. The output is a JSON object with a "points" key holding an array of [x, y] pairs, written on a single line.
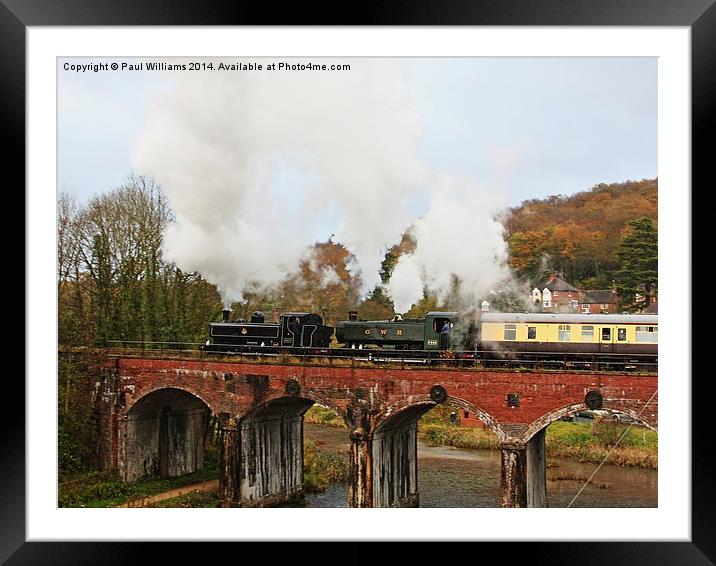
{"points": [[619, 341]]}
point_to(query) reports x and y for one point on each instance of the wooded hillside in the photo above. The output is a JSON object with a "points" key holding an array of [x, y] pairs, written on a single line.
{"points": [[578, 235]]}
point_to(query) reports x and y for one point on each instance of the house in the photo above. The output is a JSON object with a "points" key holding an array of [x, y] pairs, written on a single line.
{"points": [[556, 295], [598, 301]]}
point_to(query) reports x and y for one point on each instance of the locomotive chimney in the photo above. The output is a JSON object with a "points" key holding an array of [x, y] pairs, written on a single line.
{"points": [[225, 313], [352, 315]]}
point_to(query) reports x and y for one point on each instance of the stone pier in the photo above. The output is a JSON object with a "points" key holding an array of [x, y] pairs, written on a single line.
{"points": [[271, 453], [524, 473], [395, 459]]}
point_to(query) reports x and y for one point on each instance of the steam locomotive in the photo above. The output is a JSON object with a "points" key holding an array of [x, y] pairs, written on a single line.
{"points": [[576, 339], [293, 330]]}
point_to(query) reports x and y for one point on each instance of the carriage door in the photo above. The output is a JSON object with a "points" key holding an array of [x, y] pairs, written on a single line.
{"points": [[606, 339]]}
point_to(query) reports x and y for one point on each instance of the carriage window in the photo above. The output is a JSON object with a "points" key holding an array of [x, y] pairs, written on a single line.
{"points": [[510, 331], [606, 333], [587, 333], [647, 334], [621, 334], [565, 333], [531, 332]]}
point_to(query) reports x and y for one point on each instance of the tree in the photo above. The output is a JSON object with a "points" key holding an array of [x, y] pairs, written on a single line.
{"points": [[113, 283], [406, 246], [71, 282], [638, 273], [376, 307], [120, 245]]}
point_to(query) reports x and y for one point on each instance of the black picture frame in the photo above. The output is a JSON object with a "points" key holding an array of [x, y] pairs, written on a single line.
{"points": [[698, 15]]}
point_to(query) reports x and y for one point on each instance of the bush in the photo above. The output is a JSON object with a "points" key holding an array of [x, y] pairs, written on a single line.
{"points": [[608, 433], [324, 416], [321, 467], [461, 437]]}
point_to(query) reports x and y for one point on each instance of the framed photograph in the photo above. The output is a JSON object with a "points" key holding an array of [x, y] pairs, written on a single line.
{"points": [[347, 133]]}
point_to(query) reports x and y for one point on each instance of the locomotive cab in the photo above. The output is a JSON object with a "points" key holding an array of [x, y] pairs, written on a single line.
{"points": [[304, 330], [439, 331]]}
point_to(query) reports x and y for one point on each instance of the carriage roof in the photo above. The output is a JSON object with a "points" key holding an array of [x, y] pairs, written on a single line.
{"points": [[557, 318]]}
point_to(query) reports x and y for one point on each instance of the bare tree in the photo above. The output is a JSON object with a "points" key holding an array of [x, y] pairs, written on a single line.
{"points": [[118, 285]]}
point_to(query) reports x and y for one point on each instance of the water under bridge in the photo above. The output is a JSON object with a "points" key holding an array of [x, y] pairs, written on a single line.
{"points": [[153, 409]]}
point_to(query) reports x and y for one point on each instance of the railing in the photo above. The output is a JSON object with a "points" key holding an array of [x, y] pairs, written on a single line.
{"points": [[132, 347], [513, 360]]}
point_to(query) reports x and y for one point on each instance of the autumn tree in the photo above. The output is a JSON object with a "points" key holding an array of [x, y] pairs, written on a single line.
{"points": [[377, 306], [638, 273], [577, 235]]}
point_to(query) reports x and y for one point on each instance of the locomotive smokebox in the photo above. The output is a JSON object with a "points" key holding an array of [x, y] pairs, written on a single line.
{"points": [[225, 316], [258, 316], [352, 315]]}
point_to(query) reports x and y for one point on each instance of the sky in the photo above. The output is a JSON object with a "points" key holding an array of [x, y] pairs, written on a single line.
{"points": [[525, 127], [259, 164]]}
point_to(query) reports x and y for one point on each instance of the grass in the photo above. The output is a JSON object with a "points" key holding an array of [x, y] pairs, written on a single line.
{"points": [[194, 499], [461, 437], [102, 489]]}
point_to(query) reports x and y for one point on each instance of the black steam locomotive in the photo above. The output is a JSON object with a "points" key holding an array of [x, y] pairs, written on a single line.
{"points": [[293, 330]]}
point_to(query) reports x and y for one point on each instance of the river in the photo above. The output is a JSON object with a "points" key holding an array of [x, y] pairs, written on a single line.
{"points": [[460, 477]]}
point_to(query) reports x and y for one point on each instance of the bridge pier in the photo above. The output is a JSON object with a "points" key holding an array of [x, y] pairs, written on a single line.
{"points": [[263, 461], [384, 464], [537, 471], [395, 459], [360, 473], [229, 465], [524, 473]]}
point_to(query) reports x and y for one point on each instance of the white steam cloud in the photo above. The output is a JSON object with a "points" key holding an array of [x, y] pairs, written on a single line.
{"points": [[252, 161], [458, 235]]}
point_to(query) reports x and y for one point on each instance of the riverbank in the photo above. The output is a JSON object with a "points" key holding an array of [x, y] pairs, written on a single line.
{"points": [[461, 477], [103, 489], [583, 442]]}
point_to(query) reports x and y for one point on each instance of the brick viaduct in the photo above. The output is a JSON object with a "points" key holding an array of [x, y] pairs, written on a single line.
{"points": [[154, 409]]}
